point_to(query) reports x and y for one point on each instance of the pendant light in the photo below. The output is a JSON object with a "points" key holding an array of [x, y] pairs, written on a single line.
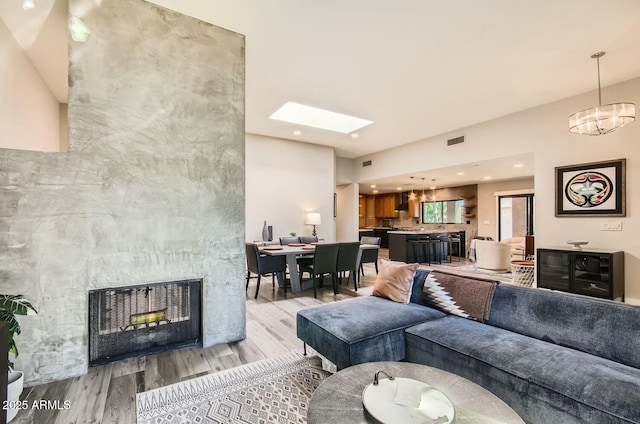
{"points": [[433, 189], [602, 119], [412, 195], [423, 198]]}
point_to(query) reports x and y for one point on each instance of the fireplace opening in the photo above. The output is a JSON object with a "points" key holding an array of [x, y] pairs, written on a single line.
{"points": [[140, 320]]}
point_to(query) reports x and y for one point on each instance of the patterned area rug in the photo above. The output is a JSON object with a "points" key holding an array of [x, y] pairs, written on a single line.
{"points": [[274, 390]]}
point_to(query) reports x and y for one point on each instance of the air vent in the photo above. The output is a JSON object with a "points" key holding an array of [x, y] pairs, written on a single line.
{"points": [[366, 163], [456, 140]]}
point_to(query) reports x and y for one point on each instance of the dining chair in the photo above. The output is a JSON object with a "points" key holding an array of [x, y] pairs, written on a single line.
{"points": [[369, 255], [301, 260], [325, 261], [263, 265], [348, 260], [286, 241], [308, 239]]}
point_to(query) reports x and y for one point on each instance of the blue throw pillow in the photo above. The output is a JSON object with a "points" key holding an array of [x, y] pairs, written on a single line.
{"points": [[418, 285]]}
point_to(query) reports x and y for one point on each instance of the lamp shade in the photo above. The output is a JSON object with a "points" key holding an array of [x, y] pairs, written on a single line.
{"points": [[313, 218]]}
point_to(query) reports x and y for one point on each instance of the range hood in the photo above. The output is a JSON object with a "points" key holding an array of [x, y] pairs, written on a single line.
{"points": [[404, 202]]}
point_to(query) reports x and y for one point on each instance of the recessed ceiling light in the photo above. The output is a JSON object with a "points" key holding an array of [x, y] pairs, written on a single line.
{"points": [[518, 165], [310, 116], [399, 188], [355, 135], [375, 191], [486, 178], [28, 4], [459, 173], [373, 186], [297, 132]]}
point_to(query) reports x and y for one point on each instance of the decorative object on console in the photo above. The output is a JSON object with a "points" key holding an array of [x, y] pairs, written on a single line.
{"points": [[577, 244], [395, 281], [602, 119], [591, 189], [313, 218]]}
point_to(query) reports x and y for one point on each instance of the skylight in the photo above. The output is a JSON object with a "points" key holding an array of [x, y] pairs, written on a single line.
{"points": [[296, 113]]}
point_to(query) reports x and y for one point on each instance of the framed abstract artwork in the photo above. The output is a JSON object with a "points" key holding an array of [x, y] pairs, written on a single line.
{"points": [[591, 189]]}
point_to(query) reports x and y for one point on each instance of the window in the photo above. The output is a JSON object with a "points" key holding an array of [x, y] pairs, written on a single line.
{"points": [[443, 212]]}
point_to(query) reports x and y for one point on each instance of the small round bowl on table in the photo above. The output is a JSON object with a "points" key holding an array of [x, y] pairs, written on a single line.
{"points": [[577, 244]]}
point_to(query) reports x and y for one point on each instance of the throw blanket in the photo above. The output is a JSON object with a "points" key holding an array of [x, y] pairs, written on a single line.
{"points": [[472, 251], [467, 297]]}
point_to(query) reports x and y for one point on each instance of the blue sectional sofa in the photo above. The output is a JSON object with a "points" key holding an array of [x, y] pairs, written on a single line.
{"points": [[553, 357]]}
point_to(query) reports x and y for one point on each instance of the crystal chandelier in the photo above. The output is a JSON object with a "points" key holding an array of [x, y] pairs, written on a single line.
{"points": [[602, 119]]}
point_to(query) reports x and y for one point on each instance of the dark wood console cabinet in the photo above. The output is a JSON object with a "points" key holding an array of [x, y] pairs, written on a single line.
{"points": [[597, 273]]}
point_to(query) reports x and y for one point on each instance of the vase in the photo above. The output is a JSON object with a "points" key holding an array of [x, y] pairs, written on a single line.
{"points": [[265, 232]]}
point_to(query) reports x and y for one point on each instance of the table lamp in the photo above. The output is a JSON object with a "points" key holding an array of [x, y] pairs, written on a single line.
{"points": [[313, 218]]}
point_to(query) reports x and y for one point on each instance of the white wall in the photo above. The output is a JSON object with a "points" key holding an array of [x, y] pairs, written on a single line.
{"points": [[29, 112], [544, 131], [284, 180], [487, 209], [347, 219], [344, 171]]}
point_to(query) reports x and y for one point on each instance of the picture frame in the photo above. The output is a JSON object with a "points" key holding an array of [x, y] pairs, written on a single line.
{"points": [[591, 189]]}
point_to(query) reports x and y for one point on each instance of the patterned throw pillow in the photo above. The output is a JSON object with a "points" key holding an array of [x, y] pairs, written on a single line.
{"points": [[463, 296], [394, 281]]}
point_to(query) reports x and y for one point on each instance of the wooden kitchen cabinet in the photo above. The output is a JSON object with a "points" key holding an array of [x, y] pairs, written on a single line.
{"points": [[386, 205], [414, 208], [362, 211]]}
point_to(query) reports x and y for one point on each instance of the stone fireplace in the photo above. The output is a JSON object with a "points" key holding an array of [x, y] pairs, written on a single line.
{"points": [[143, 319], [151, 188]]}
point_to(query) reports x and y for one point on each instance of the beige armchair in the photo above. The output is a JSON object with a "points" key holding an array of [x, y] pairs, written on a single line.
{"points": [[492, 256], [517, 247]]}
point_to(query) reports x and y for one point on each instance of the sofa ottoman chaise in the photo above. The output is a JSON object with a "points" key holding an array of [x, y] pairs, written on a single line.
{"points": [[366, 329]]}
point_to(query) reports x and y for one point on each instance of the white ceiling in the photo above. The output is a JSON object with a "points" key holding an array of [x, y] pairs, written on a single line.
{"points": [[482, 171], [417, 68]]}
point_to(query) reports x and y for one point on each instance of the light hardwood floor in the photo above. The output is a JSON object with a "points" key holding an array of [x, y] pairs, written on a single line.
{"points": [[106, 394]]}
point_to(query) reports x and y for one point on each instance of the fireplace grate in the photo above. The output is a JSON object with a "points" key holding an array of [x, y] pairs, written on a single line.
{"points": [[138, 320]]}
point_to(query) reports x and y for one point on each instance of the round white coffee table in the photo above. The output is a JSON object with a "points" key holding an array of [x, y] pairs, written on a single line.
{"points": [[338, 399]]}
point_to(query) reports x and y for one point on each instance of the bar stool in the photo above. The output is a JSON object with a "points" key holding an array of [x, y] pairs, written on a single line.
{"points": [[449, 240], [421, 244], [436, 243], [456, 240]]}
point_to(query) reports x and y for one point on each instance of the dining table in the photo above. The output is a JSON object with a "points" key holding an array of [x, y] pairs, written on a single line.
{"points": [[292, 253]]}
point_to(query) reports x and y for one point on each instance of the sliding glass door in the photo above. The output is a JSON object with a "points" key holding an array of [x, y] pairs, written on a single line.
{"points": [[515, 216]]}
